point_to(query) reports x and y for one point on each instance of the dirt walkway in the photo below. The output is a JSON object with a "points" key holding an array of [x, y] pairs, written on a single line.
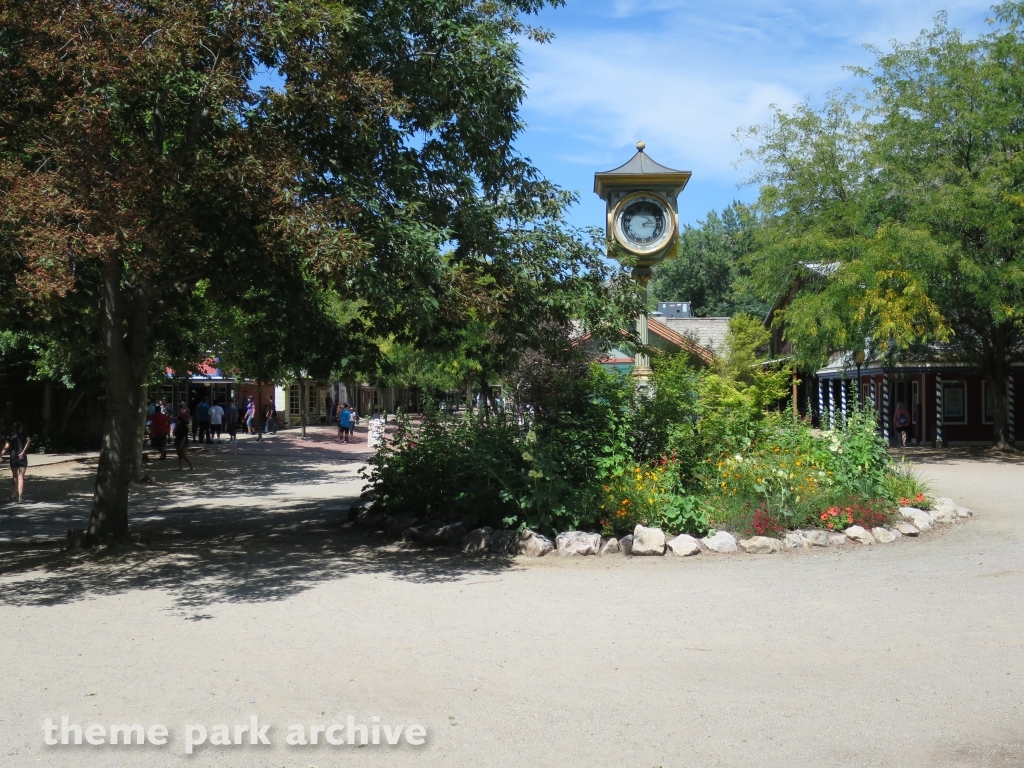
{"points": [[255, 601]]}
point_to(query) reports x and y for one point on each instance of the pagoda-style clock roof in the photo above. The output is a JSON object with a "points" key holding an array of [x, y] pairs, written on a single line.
{"points": [[640, 170]]}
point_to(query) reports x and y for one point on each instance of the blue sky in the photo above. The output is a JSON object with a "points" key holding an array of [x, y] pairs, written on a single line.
{"points": [[684, 75]]}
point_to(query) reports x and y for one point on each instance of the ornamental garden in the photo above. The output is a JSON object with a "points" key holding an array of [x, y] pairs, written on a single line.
{"points": [[714, 453]]}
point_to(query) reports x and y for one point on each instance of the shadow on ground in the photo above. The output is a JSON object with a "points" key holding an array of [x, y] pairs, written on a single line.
{"points": [[974, 453], [217, 561], [238, 529]]}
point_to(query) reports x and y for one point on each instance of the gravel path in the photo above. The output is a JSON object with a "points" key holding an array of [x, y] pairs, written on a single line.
{"points": [[254, 601]]}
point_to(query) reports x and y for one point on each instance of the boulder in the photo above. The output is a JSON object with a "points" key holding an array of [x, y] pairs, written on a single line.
{"points": [[883, 535], [860, 535], [921, 519], [504, 542], [793, 540], [837, 539], [578, 543], [368, 519], [534, 544], [815, 537], [648, 541], [963, 512], [436, 533], [906, 529], [399, 524], [943, 505], [944, 515], [684, 546], [610, 547], [478, 541], [626, 545], [760, 545], [722, 541]]}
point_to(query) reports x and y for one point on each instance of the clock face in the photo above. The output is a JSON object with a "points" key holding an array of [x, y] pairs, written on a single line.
{"points": [[643, 224]]}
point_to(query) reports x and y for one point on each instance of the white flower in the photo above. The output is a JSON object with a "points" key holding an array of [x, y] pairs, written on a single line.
{"points": [[527, 456]]}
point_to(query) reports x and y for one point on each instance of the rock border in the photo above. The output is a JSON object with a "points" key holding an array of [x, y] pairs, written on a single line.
{"points": [[652, 542]]}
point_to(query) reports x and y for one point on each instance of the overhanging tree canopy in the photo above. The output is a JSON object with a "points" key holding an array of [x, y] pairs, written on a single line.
{"points": [[910, 202], [132, 139]]}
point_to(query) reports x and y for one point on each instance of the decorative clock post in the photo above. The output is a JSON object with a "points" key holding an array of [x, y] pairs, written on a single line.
{"points": [[643, 219]]}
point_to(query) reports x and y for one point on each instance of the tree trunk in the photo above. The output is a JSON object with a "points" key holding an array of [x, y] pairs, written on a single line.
{"points": [[124, 319], [1000, 412], [69, 410], [48, 414], [996, 371]]}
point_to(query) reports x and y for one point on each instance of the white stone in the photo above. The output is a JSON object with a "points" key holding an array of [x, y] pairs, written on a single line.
{"points": [[921, 519], [944, 515], [963, 512], [722, 541], [610, 547], [626, 545], [943, 505], [815, 537], [859, 535], [533, 544], [578, 543], [883, 535], [684, 546], [793, 540], [837, 539], [760, 545], [648, 541], [906, 529]]}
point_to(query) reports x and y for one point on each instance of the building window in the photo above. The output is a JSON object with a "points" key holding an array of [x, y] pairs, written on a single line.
{"points": [[954, 402], [294, 401]]}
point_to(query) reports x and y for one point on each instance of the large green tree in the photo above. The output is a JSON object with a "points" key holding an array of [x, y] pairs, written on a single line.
{"points": [[904, 205], [133, 140], [707, 267]]}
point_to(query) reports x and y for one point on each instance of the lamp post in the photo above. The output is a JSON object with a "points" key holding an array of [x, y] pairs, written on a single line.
{"points": [[858, 358]]}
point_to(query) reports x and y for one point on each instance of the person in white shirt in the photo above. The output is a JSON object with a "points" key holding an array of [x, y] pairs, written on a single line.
{"points": [[216, 420]]}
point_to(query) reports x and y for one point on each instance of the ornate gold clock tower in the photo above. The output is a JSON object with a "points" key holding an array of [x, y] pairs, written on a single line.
{"points": [[643, 219]]}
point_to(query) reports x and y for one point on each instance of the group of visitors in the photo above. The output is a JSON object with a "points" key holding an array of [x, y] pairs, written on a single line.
{"points": [[346, 421], [344, 415]]}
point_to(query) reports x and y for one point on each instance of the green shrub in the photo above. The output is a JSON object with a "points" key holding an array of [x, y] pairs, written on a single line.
{"points": [[650, 496], [451, 469], [906, 488], [792, 474]]}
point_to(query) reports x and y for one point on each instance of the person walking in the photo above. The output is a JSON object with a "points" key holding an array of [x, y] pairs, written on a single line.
{"points": [[216, 420], [329, 402], [181, 438], [203, 417], [18, 444], [159, 429], [270, 412], [901, 420], [232, 419], [250, 416]]}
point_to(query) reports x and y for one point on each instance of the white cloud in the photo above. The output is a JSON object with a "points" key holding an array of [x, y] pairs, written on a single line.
{"points": [[684, 76]]}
